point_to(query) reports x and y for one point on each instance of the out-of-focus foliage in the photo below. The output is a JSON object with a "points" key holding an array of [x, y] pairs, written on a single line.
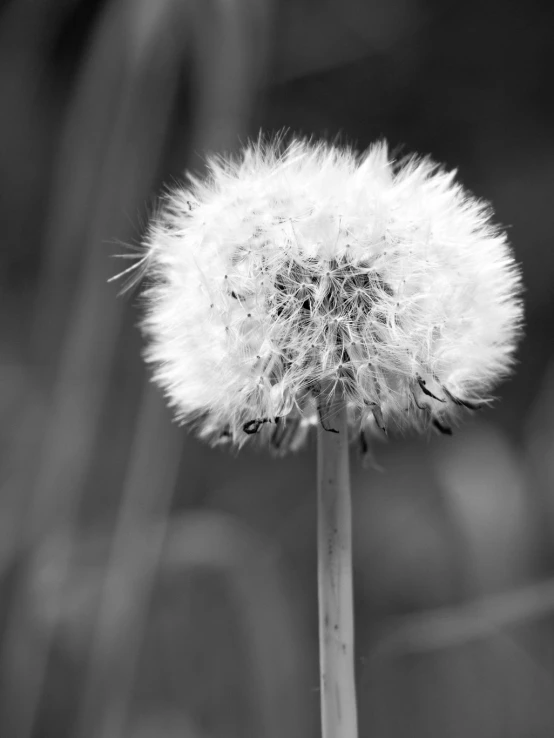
{"points": [[150, 586]]}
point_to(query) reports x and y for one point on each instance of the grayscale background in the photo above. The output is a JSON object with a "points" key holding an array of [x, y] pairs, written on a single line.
{"points": [[152, 587]]}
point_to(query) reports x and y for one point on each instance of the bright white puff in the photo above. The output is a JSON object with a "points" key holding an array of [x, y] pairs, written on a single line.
{"points": [[288, 270]]}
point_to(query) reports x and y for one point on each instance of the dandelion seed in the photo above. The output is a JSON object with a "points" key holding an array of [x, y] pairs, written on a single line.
{"points": [[386, 278], [136, 270]]}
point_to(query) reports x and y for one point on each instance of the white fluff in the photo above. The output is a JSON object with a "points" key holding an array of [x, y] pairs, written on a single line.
{"points": [[285, 268]]}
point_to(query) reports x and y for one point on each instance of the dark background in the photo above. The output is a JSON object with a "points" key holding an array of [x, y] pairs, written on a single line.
{"points": [[152, 586]]}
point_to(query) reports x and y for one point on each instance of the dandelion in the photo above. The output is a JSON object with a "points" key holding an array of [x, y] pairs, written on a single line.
{"points": [[285, 271], [310, 286]]}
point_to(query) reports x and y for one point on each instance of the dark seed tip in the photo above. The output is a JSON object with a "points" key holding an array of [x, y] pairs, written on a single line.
{"points": [[427, 392], [444, 429]]}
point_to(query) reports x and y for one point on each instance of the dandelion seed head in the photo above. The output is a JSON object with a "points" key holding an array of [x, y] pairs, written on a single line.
{"points": [[289, 269]]}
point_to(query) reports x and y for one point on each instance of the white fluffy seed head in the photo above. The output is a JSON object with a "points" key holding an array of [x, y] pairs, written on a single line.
{"points": [[290, 269]]}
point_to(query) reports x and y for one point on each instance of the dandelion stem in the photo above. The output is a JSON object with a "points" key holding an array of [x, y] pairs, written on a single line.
{"points": [[336, 618]]}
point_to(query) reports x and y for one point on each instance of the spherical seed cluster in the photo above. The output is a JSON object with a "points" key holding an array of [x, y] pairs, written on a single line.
{"points": [[286, 271]]}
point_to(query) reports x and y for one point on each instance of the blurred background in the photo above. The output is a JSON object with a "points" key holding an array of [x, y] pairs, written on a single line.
{"points": [[153, 587]]}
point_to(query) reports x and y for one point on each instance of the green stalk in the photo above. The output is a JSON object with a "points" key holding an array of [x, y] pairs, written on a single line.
{"points": [[336, 617]]}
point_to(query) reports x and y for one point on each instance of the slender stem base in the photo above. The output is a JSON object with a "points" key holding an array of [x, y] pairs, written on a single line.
{"points": [[336, 618]]}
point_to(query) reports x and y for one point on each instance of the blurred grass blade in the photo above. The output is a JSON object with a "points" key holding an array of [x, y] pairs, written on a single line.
{"points": [[485, 490], [215, 542], [447, 627], [133, 89], [539, 457], [134, 561], [231, 50]]}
